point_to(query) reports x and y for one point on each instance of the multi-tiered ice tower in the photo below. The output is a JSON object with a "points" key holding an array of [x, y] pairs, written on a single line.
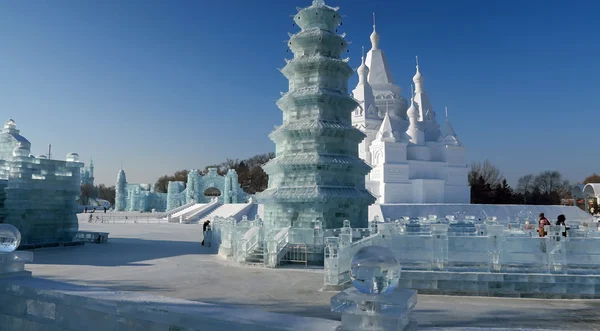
{"points": [[316, 173]]}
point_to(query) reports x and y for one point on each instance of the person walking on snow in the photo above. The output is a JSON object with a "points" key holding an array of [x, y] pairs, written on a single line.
{"points": [[205, 227]]}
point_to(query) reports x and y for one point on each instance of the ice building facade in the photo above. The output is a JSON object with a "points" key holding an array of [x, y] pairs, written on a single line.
{"points": [[200, 189], [413, 159], [316, 174], [37, 195]]}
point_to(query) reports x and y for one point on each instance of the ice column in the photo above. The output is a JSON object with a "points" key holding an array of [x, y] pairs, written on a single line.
{"points": [[318, 233], [373, 225], [555, 248], [332, 268], [346, 234], [439, 233], [495, 242]]}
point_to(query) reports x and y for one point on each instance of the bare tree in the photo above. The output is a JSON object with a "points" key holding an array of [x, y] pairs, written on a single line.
{"points": [[491, 175], [526, 184], [550, 182], [594, 178]]}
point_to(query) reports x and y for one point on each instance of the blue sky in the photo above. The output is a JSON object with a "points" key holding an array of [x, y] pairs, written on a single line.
{"points": [[169, 85]]}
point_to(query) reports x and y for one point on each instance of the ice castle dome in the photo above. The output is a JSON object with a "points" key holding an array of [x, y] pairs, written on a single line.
{"points": [[418, 78], [412, 111], [21, 151], [72, 157], [10, 124]]}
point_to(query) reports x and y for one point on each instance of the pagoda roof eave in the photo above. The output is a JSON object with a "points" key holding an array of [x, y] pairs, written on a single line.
{"points": [[315, 194]]}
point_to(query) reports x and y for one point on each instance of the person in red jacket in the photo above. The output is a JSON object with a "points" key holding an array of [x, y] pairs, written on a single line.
{"points": [[541, 223]]}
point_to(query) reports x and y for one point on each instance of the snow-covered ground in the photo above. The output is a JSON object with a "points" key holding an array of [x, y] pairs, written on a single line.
{"points": [[167, 259]]}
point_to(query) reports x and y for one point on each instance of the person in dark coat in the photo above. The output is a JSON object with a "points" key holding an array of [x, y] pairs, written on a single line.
{"points": [[204, 226], [561, 221]]}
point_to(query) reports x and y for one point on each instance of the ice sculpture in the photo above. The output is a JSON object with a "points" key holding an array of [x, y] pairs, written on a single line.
{"points": [[37, 194], [374, 270], [10, 238], [141, 197], [375, 303], [316, 173], [11, 261]]}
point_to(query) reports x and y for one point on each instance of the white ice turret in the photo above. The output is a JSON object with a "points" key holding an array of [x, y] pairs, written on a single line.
{"points": [[422, 101], [388, 131], [418, 80], [374, 36], [363, 92], [363, 71], [417, 136], [448, 136], [379, 73]]}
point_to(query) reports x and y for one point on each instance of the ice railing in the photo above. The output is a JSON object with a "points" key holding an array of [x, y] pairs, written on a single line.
{"points": [[249, 241], [276, 247], [462, 245]]}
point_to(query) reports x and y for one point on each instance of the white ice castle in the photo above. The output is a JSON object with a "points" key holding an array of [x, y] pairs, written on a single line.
{"points": [[413, 160]]}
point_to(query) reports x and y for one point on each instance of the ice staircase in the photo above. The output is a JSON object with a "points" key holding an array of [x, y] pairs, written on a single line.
{"points": [[197, 214], [235, 210], [176, 210], [257, 255], [187, 211]]}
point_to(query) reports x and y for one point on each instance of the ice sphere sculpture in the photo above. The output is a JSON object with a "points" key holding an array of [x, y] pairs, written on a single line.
{"points": [[10, 238], [374, 270]]}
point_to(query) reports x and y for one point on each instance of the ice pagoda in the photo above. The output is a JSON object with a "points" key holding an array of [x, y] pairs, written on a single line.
{"points": [[316, 174]]}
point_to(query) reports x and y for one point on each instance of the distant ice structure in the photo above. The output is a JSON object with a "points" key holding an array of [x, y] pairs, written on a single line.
{"points": [[413, 160], [200, 189], [316, 174], [37, 195]]}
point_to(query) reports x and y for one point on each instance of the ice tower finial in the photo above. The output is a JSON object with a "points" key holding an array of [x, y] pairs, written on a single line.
{"points": [[446, 108], [318, 3], [363, 70], [374, 36], [418, 79]]}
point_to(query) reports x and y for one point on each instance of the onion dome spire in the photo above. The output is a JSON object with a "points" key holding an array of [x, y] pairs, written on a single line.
{"points": [[418, 79], [363, 70], [374, 36]]}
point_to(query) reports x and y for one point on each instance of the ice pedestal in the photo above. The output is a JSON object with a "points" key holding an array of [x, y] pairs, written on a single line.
{"points": [[371, 312], [375, 303], [12, 263]]}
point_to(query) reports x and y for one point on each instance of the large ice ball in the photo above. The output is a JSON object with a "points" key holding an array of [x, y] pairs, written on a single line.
{"points": [[10, 238], [374, 270]]}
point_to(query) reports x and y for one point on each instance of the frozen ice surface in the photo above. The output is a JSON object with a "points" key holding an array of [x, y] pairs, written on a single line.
{"points": [[181, 268], [10, 238], [374, 270]]}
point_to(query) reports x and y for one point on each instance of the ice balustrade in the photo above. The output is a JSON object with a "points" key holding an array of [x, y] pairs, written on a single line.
{"points": [[248, 242], [497, 250], [276, 247]]}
